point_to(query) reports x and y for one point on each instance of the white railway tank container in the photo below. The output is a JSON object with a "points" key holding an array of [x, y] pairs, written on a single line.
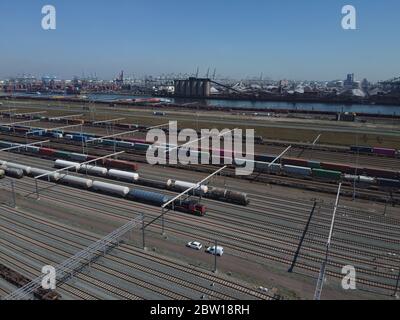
{"points": [[25, 169], [110, 188], [76, 181], [123, 175], [183, 185], [365, 179], [90, 169], [60, 164], [3, 164], [35, 172]]}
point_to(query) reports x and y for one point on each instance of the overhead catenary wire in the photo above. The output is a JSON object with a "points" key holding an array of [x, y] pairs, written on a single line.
{"points": [[74, 263]]}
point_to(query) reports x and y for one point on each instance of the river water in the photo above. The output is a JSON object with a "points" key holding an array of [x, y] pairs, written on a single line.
{"points": [[358, 108]]}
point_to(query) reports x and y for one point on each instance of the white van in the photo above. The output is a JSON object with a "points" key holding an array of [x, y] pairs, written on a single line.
{"points": [[219, 251]]}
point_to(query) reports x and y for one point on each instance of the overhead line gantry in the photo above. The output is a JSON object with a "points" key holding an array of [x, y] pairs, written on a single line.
{"points": [[77, 262], [321, 276]]}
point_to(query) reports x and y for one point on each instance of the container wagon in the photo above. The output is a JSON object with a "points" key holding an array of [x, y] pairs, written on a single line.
{"points": [[326, 174]]}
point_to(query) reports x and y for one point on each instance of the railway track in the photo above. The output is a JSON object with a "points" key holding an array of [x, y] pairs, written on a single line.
{"points": [[302, 218], [340, 225], [260, 202], [313, 236], [337, 156], [117, 259], [364, 218], [252, 196], [129, 279], [240, 240], [29, 251], [3, 293], [257, 207], [16, 264], [373, 194], [56, 226], [348, 212], [311, 152]]}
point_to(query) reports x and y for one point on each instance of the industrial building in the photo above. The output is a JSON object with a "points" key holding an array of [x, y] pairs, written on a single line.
{"points": [[193, 87]]}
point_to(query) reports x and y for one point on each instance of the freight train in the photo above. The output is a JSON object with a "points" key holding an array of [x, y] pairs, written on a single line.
{"points": [[123, 126], [388, 152], [138, 195], [375, 150], [215, 193], [292, 167], [331, 172], [68, 158], [41, 151], [141, 145], [220, 194]]}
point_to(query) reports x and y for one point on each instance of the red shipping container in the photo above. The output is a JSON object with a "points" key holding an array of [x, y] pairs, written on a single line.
{"points": [[338, 167], [121, 164], [372, 172], [46, 151], [20, 129]]}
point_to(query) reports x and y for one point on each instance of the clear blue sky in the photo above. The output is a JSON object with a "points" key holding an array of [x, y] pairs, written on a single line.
{"points": [[282, 38]]}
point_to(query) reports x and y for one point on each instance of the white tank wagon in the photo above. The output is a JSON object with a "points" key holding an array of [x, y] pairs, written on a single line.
{"points": [[74, 181], [3, 163], [94, 170], [365, 179], [110, 188], [61, 164], [53, 176], [85, 168], [123, 175], [26, 169], [183, 185], [359, 179]]}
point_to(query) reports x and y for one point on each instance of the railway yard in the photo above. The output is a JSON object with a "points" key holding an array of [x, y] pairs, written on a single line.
{"points": [[72, 176]]}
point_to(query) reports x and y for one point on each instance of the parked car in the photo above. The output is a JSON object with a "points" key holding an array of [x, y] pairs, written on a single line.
{"points": [[219, 251], [194, 245]]}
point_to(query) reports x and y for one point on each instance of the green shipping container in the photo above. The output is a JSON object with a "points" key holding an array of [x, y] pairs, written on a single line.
{"points": [[326, 174]]}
